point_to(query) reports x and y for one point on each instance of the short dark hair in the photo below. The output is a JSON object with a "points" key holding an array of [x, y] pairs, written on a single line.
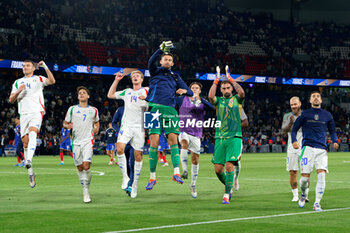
{"points": [[196, 83], [226, 82], [313, 92], [167, 54], [83, 88], [27, 60]]}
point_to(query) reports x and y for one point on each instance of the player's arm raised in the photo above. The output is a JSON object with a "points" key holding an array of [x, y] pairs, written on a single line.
{"points": [[212, 91], [238, 88], [50, 78], [111, 93]]}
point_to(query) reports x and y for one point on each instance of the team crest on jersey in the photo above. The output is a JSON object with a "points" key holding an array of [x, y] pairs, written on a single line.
{"points": [[316, 116]]}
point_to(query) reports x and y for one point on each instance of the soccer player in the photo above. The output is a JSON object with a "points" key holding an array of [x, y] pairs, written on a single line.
{"points": [[293, 154], [131, 128], [228, 137], [18, 144], [65, 144], [110, 139], [83, 119], [162, 148], [314, 123], [163, 86], [28, 91], [129, 151], [190, 137]]}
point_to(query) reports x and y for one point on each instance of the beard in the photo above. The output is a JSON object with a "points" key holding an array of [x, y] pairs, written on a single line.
{"points": [[227, 95]]}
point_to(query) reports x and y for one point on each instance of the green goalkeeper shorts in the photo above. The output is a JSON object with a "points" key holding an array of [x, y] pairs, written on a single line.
{"points": [[227, 150], [169, 119]]}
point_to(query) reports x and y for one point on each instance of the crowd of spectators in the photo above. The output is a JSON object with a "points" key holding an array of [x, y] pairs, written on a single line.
{"points": [[202, 32], [264, 106]]}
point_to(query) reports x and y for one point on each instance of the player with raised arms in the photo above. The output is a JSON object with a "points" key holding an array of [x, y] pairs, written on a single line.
{"points": [[314, 123], [228, 137], [131, 128], [83, 119], [28, 91], [163, 86]]}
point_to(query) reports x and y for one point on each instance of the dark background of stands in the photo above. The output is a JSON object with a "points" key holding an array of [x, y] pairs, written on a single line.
{"points": [[206, 34]]}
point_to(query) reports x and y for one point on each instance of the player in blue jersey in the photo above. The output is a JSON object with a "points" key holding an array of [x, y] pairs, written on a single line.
{"points": [[162, 149], [18, 144], [110, 138], [65, 144], [314, 123], [129, 151]]}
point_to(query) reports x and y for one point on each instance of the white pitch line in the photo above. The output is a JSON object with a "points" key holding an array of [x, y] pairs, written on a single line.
{"points": [[346, 161], [53, 173], [227, 220]]}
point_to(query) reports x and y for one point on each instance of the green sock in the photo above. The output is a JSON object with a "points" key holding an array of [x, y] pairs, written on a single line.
{"points": [[175, 155], [229, 182], [153, 156], [222, 177]]}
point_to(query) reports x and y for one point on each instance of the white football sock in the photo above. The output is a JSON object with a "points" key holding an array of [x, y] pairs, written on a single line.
{"points": [[80, 176], [303, 184], [31, 145], [122, 164], [307, 192], [320, 186], [88, 178], [25, 152], [295, 192], [152, 176], [237, 169], [194, 173], [137, 172], [184, 158], [177, 170]]}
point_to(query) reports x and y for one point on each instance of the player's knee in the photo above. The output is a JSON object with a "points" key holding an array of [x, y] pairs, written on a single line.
{"points": [[184, 144], [293, 173]]}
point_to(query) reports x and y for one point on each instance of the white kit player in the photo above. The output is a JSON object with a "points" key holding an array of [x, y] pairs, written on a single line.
{"points": [[293, 154], [83, 119], [28, 91], [131, 128]]}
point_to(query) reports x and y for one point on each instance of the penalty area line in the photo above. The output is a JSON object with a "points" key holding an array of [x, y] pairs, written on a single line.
{"points": [[228, 220]]}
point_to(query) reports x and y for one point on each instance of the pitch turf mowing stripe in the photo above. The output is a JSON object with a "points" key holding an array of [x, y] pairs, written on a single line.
{"points": [[228, 220]]}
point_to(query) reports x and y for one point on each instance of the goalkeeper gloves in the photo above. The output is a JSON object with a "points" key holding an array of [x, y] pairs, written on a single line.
{"points": [[216, 81], [230, 79], [166, 46]]}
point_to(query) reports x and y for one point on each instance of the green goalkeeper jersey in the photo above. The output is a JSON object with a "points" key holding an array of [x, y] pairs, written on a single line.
{"points": [[229, 113]]}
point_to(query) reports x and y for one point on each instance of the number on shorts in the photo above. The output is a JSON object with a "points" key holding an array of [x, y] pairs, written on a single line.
{"points": [[84, 117], [304, 161]]}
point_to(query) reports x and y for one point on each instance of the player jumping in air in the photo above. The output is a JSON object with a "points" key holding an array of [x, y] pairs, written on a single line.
{"points": [[314, 123], [28, 91], [131, 128], [83, 119], [228, 137], [163, 85], [190, 137]]}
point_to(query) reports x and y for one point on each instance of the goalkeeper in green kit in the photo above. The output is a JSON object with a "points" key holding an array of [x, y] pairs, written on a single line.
{"points": [[228, 137], [163, 86]]}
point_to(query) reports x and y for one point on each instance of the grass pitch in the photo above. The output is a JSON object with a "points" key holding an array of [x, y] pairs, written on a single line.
{"points": [[56, 203]]}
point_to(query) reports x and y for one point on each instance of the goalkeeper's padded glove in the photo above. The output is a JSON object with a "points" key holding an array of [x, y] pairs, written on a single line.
{"points": [[216, 81], [230, 79], [166, 46]]}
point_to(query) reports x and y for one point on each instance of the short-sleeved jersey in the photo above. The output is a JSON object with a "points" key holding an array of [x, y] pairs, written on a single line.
{"points": [[64, 133], [83, 120], [31, 100], [286, 121], [134, 107], [228, 112]]}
